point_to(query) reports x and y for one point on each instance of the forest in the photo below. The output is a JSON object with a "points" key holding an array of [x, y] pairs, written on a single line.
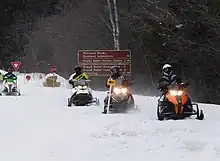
{"points": [[183, 33]]}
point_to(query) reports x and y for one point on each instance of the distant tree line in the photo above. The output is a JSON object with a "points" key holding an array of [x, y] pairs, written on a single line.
{"points": [[17, 18], [184, 33]]}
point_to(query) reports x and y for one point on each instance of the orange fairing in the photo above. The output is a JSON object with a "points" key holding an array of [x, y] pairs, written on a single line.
{"points": [[185, 98], [172, 99]]}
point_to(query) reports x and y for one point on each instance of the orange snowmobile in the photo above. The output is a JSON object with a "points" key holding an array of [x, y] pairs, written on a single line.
{"points": [[177, 104]]}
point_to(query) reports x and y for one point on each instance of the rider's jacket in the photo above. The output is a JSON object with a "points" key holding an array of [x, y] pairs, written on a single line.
{"points": [[9, 76], [78, 76], [120, 80], [167, 80]]}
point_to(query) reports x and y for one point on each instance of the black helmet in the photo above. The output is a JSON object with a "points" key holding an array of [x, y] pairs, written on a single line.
{"points": [[78, 69], [115, 69], [167, 69]]}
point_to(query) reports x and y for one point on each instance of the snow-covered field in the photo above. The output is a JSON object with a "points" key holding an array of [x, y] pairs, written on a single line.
{"points": [[38, 126]]}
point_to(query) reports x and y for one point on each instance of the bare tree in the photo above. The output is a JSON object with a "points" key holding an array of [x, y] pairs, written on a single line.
{"points": [[113, 17]]}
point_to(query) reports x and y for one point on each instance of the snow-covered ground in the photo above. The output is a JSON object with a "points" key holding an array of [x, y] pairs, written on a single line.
{"points": [[39, 127]]}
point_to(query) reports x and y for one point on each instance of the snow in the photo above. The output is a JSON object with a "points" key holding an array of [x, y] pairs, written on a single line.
{"points": [[63, 81], [39, 127], [2, 71]]}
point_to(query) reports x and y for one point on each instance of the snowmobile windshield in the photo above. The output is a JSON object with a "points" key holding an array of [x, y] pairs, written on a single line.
{"points": [[81, 83], [10, 80], [175, 86], [118, 82]]}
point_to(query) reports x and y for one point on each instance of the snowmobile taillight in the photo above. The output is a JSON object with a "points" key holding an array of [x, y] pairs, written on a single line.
{"points": [[176, 93]]}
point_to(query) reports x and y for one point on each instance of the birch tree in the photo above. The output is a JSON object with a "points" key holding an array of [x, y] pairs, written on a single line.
{"points": [[113, 17]]}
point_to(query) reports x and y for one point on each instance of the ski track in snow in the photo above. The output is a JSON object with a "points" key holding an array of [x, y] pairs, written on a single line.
{"points": [[39, 127]]}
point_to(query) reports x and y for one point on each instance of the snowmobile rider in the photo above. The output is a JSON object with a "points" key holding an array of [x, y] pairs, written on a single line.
{"points": [[12, 76], [115, 74], [168, 78], [78, 75]]}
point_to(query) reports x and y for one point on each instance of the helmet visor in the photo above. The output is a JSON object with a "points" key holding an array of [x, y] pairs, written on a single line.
{"points": [[77, 69], [115, 70], [167, 70]]}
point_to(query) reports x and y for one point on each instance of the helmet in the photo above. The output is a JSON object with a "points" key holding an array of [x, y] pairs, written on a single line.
{"points": [[167, 69], [78, 69], [115, 69], [10, 70]]}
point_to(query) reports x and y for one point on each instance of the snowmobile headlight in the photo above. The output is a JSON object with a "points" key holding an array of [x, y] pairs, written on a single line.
{"points": [[80, 87], [120, 90], [124, 90], [10, 83], [84, 87], [117, 90], [174, 93], [179, 93]]}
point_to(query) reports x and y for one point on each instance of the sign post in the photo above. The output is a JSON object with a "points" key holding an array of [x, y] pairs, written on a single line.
{"points": [[53, 70], [99, 62], [111, 83], [16, 65]]}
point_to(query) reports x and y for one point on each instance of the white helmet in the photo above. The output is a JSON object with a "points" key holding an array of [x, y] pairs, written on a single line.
{"points": [[167, 69], [167, 66]]}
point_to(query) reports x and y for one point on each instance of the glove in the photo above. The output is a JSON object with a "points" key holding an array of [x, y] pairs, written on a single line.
{"points": [[71, 82], [160, 86]]}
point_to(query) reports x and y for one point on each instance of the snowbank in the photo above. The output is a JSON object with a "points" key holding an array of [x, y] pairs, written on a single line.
{"points": [[2, 71], [38, 78], [34, 76], [63, 81]]}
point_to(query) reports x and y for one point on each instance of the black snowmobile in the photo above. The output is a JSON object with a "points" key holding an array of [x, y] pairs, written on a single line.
{"points": [[82, 95], [121, 100], [177, 104]]}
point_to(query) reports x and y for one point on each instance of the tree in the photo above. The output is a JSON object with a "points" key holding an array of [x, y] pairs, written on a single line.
{"points": [[186, 34], [113, 17]]}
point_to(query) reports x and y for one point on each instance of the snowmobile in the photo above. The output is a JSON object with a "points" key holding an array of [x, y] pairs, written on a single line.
{"points": [[177, 104], [10, 88], [82, 95], [119, 99]]}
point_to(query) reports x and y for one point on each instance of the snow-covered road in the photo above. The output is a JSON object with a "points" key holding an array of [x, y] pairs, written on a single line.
{"points": [[39, 127]]}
